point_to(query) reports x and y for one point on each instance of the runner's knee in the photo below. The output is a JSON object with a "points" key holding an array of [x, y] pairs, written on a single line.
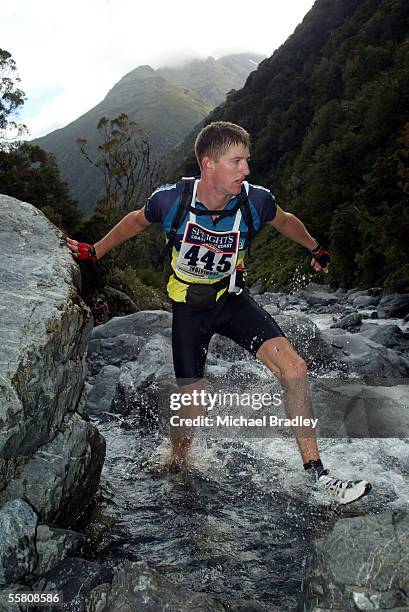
{"points": [[295, 368]]}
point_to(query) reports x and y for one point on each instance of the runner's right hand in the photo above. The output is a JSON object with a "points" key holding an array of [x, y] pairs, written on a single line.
{"points": [[81, 250]]}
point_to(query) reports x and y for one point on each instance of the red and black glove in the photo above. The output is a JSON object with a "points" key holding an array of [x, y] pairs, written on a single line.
{"points": [[321, 256], [86, 252]]}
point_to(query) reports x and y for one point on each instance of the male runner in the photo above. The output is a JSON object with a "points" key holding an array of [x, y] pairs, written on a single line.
{"points": [[208, 248]]}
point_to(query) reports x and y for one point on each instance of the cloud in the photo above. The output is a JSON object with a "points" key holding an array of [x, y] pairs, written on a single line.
{"points": [[83, 47]]}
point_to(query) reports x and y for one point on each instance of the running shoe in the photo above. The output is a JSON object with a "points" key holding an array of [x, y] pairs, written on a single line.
{"points": [[343, 491]]}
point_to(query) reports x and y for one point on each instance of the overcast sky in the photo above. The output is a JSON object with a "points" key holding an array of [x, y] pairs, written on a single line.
{"points": [[69, 54]]}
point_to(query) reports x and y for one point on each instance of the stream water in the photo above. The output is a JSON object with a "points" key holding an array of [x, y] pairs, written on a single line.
{"points": [[240, 523]]}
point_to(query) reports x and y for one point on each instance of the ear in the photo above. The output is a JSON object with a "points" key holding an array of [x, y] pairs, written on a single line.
{"points": [[207, 163]]}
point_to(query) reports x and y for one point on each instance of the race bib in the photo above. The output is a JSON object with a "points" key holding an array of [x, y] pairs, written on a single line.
{"points": [[207, 254]]}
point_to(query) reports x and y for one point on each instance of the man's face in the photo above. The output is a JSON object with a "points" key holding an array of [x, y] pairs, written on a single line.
{"points": [[229, 172]]}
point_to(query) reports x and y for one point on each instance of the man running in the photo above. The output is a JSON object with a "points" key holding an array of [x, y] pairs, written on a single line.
{"points": [[209, 223]]}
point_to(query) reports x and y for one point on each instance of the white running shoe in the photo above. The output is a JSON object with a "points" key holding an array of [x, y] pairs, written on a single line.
{"points": [[344, 491]]}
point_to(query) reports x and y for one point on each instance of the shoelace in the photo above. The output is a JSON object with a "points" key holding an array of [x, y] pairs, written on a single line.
{"points": [[337, 485]]}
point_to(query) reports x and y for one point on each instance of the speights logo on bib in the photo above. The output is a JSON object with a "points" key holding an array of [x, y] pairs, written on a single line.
{"points": [[219, 242]]}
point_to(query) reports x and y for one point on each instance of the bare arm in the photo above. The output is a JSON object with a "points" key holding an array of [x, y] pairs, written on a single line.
{"points": [[290, 226], [133, 223]]}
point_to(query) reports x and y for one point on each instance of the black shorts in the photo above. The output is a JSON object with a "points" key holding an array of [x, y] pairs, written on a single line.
{"points": [[238, 317]]}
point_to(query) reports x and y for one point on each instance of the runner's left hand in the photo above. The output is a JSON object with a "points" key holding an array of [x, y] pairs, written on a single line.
{"points": [[321, 259]]}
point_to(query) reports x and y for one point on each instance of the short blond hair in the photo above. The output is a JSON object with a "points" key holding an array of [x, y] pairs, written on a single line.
{"points": [[216, 138]]}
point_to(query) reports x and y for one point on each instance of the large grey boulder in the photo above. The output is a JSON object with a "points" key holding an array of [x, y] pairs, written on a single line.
{"points": [[102, 392], [363, 564], [390, 336], [393, 305], [141, 382], [54, 544], [280, 300], [356, 294], [18, 556], [348, 408], [75, 578], [303, 334], [307, 340], [61, 478], [144, 323], [114, 351], [365, 357], [137, 586], [365, 301], [44, 332], [351, 321], [156, 353], [320, 298]]}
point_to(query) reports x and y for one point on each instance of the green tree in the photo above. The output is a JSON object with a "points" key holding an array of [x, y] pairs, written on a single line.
{"points": [[11, 99], [126, 161], [29, 173]]}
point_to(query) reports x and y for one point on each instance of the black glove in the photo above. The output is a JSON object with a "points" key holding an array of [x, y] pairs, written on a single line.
{"points": [[321, 256]]}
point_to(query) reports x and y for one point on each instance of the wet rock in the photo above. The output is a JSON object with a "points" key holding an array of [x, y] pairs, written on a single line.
{"points": [[18, 555], [215, 372], [355, 294], [114, 350], [224, 348], [366, 357], [144, 323], [277, 300], [54, 544], [333, 309], [139, 587], [247, 373], [140, 382], [102, 392], [375, 576], [156, 353], [49, 453], [365, 301], [351, 291], [307, 340], [165, 373], [394, 305], [390, 336], [272, 309], [62, 477], [348, 408], [75, 578], [349, 321], [376, 291], [320, 298], [44, 333]]}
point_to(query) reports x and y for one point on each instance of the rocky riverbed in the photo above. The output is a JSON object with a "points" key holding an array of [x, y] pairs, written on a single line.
{"points": [[242, 529]]}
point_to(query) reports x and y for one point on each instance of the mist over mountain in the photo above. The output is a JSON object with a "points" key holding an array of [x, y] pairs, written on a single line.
{"points": [[211, 78], [167, 103]]}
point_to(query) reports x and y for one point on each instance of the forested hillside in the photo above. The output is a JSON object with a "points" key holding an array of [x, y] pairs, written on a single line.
{"points": [[328, 114]]}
